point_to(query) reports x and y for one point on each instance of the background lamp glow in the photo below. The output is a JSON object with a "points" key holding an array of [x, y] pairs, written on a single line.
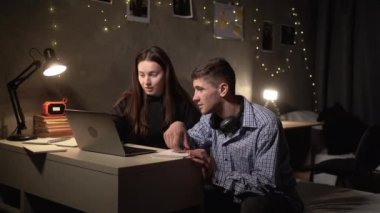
{"points": [[270, 95]]}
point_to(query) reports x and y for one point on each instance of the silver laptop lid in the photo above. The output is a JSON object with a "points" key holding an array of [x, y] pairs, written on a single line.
{"points": [[95, 131]]}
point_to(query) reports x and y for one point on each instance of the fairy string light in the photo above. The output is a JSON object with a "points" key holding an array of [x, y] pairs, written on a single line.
{"points": [[298, 46], [54, 25], [205, 17], [299, 33]]}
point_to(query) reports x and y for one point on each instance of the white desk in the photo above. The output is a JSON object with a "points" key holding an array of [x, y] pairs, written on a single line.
{"points": [[300, 124], [93, 182]]}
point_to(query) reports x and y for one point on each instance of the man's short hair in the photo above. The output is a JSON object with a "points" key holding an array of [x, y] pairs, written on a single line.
{"points": [[216, 71]]}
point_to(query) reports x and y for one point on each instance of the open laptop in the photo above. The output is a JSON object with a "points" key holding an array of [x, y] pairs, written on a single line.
{"points": [[96, 132]]}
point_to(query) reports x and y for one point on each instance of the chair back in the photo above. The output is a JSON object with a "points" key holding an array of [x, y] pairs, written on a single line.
{"points": [[368, 152]]}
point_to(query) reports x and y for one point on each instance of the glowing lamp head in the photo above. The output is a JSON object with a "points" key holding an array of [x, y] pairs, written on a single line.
{"points": [[54, 69], [52, 66], [270, 95]]}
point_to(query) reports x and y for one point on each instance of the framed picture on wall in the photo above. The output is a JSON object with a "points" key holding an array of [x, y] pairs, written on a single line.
{"points": [[228, 21], [104, 1], [267, 36], [138, 10], [287, 35], [182, 8]]}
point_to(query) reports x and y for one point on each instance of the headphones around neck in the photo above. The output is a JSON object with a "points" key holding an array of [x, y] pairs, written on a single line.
{"points": [[228, 125]]}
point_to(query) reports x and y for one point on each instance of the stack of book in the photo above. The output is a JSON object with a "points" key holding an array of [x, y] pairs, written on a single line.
{"points": [[51, 126]]}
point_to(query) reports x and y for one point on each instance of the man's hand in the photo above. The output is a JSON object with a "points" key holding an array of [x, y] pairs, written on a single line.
{"points": [[201, 157], [176, 137]]}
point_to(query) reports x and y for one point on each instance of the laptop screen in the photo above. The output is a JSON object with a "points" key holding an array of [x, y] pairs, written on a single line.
{"points": [[96, 132]]}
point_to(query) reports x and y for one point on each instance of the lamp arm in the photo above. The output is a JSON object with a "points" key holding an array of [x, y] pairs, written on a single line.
{"points": [[17, 110], [12, 89], [25, 74]]}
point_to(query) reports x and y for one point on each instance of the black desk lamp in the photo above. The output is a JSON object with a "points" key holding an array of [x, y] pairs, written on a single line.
{"points": [[51, 68]]}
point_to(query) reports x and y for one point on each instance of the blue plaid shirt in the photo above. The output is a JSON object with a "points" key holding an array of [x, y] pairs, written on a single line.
{"points": [[254, 159]]}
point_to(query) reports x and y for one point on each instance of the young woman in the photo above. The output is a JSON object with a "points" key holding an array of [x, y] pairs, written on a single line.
{"points": [[153, 102]]}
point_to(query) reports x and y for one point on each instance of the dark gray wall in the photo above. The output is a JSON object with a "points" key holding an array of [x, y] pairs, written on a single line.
{"points": [[100, 63]]}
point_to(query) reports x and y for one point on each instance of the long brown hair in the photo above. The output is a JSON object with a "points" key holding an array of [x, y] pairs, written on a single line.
{"points": [[173, 93]]}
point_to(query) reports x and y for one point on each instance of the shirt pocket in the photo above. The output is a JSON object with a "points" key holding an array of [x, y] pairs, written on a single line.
{"points": [[242, 159]]}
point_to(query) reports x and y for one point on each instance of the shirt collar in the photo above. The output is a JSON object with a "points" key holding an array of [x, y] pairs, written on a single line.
{"points": [[248, 115]]}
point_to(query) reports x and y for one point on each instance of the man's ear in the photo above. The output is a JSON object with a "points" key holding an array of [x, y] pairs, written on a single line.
{"points": [[223, 89]]}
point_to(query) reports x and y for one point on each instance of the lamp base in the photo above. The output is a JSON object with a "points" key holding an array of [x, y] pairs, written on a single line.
{"points": [[20, 137]]}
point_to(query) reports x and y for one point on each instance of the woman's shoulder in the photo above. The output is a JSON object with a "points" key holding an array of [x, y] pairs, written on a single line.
{"points": [[188, 112], [122, 103]]}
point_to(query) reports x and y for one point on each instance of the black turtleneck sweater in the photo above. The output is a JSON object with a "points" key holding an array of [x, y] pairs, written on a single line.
{"points": [[187, 114]]}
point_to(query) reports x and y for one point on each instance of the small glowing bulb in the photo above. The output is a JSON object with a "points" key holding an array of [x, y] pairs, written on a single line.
{"points": [[105, 29], [216, 21], [105, 20], [310, 76], [236, 20], [88, 6], [254, 20], [54, 43], [51, 9], [266, 69], [263, 65], [204, 7], [257, 56], [234, 11], [257, 9], [313, 84]]}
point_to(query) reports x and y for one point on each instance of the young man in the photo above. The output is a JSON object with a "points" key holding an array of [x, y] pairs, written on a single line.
{"points": [[239, 145]]}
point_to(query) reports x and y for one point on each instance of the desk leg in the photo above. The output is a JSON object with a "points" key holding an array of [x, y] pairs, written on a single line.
{"points": [[299, 145]]}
